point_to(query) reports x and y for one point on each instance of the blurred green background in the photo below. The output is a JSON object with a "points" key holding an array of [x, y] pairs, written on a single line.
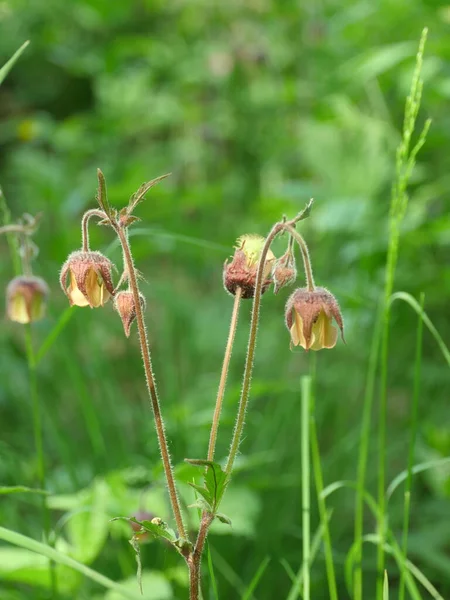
{"points": [[254, 107]]}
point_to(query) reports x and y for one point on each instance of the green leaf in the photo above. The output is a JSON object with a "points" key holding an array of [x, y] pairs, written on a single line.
{"points": [[385, 586], [145, 187], [102, 196], [29, 544], [8, 65], [204, 493], [224, 519], [19, 489], [156, 528], [215, 480], [137, 549]]}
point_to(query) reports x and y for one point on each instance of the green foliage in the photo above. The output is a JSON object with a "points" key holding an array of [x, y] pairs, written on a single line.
{"points": [[254, 108]]}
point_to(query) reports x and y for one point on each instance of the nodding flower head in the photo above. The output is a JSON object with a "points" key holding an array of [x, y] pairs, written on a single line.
{"points": [[309, 319], [284, 272], [26, 298], [90, 282], [126, 307], [241, 271]]}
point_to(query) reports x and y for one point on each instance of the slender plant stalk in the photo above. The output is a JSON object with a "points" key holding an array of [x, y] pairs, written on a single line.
{"points": [[12, 240], [224, 374], [362, 459], [318, 479], [412, 444], [145, 353], [405, 161], [306, 492], [93, 212], [39, 447], [195, 559], [305, 256]]}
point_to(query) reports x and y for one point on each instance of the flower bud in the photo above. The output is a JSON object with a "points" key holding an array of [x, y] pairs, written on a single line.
{"points": [[241, 271], [126, 307], [309, 319], [26, 299], [284, 271], [90, 279]]}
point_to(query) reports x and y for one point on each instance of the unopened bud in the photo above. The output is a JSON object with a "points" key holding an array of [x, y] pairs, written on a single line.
{"points": [[126, 307], [26, 299], [90, 279], [284, 272], [241, 271]]}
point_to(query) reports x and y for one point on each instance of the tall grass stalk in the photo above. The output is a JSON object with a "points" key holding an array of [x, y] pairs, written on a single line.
{"points": [[412, 444], [39, 447], [405, 161], [362, 460], [318, 479], [306, 492]]}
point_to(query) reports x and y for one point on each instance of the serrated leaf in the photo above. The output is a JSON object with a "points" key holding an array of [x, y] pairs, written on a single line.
{"points": [[102, 197], [224, 519], [158, 529], [145, 187], [206, 495], [215, 480]]}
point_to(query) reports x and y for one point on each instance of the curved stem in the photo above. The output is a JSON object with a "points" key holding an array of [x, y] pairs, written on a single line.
{"points": [[305, 256], [145, 352], [240, 419], [224, 374], [93, 212], [195, 560]]}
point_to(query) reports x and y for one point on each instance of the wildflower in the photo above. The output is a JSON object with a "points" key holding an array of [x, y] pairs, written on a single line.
{"points": [[90, 279], [309, 318], [126, 307], [26, 299], [284, 271], [241, 271]]}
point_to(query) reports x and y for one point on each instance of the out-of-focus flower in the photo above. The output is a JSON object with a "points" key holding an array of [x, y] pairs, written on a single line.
{"points": [[241, 271], [309, 319], [26, 298], [90, 282], [126, 307]]}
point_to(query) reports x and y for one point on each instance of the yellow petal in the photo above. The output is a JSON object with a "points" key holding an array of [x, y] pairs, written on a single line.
{"points": [[324, 332], [297, 335], [74, 293], [17, 309]]}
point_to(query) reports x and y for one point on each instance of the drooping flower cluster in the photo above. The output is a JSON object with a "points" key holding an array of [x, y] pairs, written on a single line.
{"points": [[90, 280], [26, 299]]}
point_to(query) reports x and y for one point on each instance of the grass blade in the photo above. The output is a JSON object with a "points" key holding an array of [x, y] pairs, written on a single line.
{"points": [[254, 582], [9, 65]]}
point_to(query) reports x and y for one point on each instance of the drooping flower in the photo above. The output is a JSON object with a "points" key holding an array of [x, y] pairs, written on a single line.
{"points": [[284, 272], [26, 299], [90, 282], [126, 307], [241, 271], [309, 319]]}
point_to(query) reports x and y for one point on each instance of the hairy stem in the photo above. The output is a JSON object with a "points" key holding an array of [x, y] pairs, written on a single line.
{"points": [[145, 352], [240, 419], [195, 559], [305, 256], [93, 212], [224, 374]]}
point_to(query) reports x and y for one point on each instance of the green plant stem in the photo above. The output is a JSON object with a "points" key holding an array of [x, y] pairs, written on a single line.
{"points": [[39, 447], [305, 256], [224, 374], [306, 492], [405, 161], [318, 479], [11, 237], [412, 444], [150, 379], [362, 459]]}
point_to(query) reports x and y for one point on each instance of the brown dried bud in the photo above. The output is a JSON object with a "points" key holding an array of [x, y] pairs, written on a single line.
{"points": [[126, 307], [90, 279], [309, 318], [26, 299], [241, 271], [284, 272]]}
